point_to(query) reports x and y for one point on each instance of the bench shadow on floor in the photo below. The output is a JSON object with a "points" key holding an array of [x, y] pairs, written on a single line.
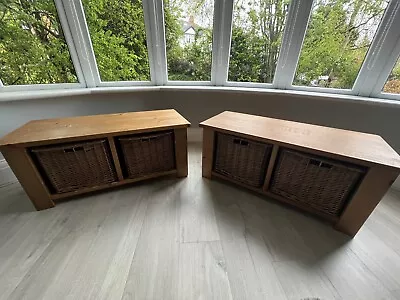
{"points": [[288, 233]]}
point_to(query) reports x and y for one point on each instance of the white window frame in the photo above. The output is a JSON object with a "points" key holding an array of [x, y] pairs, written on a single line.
{"points": [[76, 16], [378, 63]]}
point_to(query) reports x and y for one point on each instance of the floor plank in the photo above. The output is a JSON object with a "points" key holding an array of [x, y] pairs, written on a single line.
{"points": [[349, 275], [303, 280], [21, 251], [243, 277], [114, 283], [36, 281], [396, 294], [202, 272], [197, 217], [191, 238], [382, 261], [66, 277], [154, 273], [98, 267]]}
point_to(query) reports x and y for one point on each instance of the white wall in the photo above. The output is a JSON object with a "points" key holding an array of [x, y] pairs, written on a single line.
{"points": [[200, 105]]}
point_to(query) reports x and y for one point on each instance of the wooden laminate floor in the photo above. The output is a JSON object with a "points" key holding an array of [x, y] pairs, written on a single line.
{"points": [[191, 239]]}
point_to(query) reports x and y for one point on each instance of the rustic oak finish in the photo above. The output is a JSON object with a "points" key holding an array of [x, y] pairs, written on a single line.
{"points": [[368, 150], [28, 176], [181, 152], [208, 152], [14, 146]]}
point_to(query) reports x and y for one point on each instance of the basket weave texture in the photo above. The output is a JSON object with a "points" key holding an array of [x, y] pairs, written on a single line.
{"points": [[318, 183], [241, 159], [71, 167], [148, 154]]}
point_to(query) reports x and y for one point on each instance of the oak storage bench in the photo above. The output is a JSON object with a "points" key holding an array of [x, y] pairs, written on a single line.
{"points": [[337, 174], [58, 158]]}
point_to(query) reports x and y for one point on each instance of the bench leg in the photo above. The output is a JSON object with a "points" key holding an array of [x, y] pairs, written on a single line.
{"points": [[24, 169], [208, 152], [181, 153], [370, 192]]}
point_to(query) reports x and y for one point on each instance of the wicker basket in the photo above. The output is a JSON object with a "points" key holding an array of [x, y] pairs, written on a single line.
{"points": [[318, 183], [71, 167], [241, 159], [148, 154]]}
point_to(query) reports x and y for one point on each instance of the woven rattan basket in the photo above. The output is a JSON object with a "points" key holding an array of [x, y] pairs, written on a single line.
{"points": [[319, 183], [148, 154], [71, 167], [241, 159]]}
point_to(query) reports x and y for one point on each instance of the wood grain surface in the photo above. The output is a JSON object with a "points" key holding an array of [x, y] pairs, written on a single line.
{"points": [[356, 145], [78, 128]]}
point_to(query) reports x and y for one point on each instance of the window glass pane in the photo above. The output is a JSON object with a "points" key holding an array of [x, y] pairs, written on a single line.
{"points": [[118, 35], [32, 44], [188, 32], [393, 82], [256, 39], [337, 40]]}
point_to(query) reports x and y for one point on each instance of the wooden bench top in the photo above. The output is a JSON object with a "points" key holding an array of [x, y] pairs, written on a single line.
{"points": [[78, 128], [356, 145]]}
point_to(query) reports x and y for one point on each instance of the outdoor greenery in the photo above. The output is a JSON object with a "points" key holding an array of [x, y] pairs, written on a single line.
{"points": [[337, 40], [32, 44], [33, 48]]}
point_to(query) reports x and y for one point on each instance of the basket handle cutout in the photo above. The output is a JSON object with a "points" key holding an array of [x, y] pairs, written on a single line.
{"points": [[319, 163], [75, 149], [148, 139], [327, 166], [240, 142]]}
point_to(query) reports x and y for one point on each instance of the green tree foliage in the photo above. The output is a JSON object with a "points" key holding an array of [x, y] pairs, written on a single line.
{"points": [[33, 48], [118, 36], [32, 44], [256, 38], [393, 83], [337, 40]]}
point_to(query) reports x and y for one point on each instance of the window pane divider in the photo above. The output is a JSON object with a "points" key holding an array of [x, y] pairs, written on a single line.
{"points": [[155, 36], [75, 16], [292, 41], [222, 33], [391, 61], [382, 54], [70, 42]]}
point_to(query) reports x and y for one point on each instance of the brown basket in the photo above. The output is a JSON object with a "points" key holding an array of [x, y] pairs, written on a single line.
{"points": [[71, 167], [148, 154], [318, 183], [241, 159]]}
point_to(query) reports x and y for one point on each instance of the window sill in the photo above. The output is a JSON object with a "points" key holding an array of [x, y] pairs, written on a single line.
{"points": [[43, 94]]}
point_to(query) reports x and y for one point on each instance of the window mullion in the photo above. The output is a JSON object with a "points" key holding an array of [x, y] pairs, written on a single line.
{"points": [[70, 41], [1, 83], [293, 36], [75, 17], [386, 70], [222, 33], [155, 33], [382, 54]]}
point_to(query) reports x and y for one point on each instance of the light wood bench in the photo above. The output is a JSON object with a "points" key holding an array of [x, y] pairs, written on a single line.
{"points": [[376, 160], [17, 147]]}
